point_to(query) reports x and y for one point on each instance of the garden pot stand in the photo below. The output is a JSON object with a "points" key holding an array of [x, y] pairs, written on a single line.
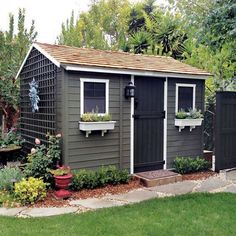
{"points": [[62, 193]]}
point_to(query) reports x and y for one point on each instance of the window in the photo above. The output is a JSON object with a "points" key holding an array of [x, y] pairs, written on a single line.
{"points": [[185, 97], [94, 95]]}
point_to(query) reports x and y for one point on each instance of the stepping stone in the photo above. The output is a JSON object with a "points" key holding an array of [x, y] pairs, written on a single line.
{"points": [[158, 177], [230, 189], [11, 211], [211, 184], [231, 175], [95, 203], [50, 211], [134, 196], [176, 188]]}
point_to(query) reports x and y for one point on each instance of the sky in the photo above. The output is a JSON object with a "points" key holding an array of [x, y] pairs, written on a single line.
{"points": [[48, 14]]}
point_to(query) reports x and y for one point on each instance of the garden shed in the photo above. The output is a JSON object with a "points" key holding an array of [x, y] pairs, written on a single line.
{"points": [[60, 83]]}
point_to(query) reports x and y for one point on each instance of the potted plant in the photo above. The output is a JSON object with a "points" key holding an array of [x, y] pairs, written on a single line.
{"points": [[192, 118], [62, 176], [92, 121]]}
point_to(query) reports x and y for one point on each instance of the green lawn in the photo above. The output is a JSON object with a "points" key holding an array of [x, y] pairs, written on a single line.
{"points": [[195, 214]]}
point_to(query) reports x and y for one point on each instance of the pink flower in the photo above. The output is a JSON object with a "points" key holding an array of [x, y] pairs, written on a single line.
{"points": [[37, 141], [58, 136], [33, 150]]}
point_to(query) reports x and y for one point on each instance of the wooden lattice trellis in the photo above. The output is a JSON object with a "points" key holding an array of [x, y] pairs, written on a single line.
{"points": [[36, 125]]}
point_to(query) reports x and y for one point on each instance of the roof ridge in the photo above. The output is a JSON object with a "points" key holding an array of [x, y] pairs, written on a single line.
{"points": [[106, 51]]}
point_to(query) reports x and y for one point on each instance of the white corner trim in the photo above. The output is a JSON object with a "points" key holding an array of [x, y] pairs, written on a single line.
{"points": [[165, 122], [133, 72], [132, 131], [105, 81], [177, 94], [23, 63], [35, 45]]}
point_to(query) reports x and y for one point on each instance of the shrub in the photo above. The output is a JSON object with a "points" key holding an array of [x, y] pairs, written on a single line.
{"points": [[30, 190], [103, 176], [7, 176], [184, 165], [12, 138], [42, 159], [7, 200]]}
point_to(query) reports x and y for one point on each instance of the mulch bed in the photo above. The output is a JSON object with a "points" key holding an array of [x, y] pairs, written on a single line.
{"points": [[51, 201], [199, 175]]}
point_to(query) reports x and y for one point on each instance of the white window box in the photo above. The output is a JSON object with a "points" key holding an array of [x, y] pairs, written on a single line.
{"points": [[88, 127], [192, 123]]}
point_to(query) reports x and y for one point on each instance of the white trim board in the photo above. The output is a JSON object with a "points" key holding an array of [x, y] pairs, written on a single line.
{"points": [[48, 56], [165, 123], [82, 80], [132, 131], [134, 72], [177, 94]]}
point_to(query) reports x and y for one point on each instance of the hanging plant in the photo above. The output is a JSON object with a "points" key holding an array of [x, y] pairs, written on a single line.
{"points": [[33, 94]]}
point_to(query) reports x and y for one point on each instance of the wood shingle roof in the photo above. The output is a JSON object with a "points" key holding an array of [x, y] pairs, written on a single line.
{"points": [[118, 60]]}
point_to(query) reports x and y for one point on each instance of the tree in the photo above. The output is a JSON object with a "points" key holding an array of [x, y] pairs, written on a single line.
{"points": [[219, 26], [14, 47], [104, 26]]}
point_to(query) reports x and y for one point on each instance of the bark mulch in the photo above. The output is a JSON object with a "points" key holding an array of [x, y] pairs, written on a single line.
{"points": [[199, 175], [51, 201]]}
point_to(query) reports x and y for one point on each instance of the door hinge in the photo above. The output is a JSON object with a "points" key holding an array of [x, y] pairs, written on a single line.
{"points": [[164, 114]]}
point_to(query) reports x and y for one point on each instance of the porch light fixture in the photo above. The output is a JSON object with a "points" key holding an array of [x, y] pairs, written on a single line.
{"points": [[129, 90]]}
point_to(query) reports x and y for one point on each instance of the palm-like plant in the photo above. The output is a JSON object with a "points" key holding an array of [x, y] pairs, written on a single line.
{"points": [[140, 41]]}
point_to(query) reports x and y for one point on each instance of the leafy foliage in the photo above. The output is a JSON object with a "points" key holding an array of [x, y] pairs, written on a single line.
{"points": [[219, 24], [12, 138], [103, 27], [30, 190], [42, 159], [7, 176], [89, 179], [93, 117], [184, 165], [191, 114], [14, 45], [63, 170]]}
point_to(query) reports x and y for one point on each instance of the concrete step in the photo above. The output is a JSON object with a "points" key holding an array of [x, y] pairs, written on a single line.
{"points": [[158, 177]]}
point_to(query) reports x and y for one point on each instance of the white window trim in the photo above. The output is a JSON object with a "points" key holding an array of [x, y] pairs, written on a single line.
{"points": [[106, 81], [177, 94]]}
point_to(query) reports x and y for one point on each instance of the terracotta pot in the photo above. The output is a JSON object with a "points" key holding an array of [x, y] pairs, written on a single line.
{"points": [[63, 181]]}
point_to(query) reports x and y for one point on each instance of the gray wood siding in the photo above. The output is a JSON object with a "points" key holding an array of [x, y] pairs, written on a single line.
{"points": [[184, 143], [94, 151]]}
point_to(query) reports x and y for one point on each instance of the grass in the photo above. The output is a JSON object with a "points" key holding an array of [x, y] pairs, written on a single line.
{"points": [[193, 214]]}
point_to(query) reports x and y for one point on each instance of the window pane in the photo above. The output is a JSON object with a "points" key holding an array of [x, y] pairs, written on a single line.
{"points": [[94, 105], [94, 89], [88, 85], [94, 97], [185, 98]]}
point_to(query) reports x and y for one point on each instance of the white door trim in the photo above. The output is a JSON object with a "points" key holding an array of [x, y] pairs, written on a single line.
{"points": [[165, 123], [132, 131]]}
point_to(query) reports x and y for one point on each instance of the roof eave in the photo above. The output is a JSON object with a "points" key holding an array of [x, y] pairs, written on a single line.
{"points": [[110, 70]]}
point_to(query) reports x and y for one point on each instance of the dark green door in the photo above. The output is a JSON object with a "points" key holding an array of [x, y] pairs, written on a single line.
{"points": [[148, 123]]}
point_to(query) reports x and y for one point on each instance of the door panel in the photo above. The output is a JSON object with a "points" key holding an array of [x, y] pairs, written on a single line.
{"points": [[148, 123]]}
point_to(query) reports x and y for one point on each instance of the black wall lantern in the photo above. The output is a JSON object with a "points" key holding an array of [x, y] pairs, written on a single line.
{"points": [[129, 90]]}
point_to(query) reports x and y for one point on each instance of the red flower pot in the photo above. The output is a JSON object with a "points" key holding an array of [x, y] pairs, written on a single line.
{"points": [[62, 183]]}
